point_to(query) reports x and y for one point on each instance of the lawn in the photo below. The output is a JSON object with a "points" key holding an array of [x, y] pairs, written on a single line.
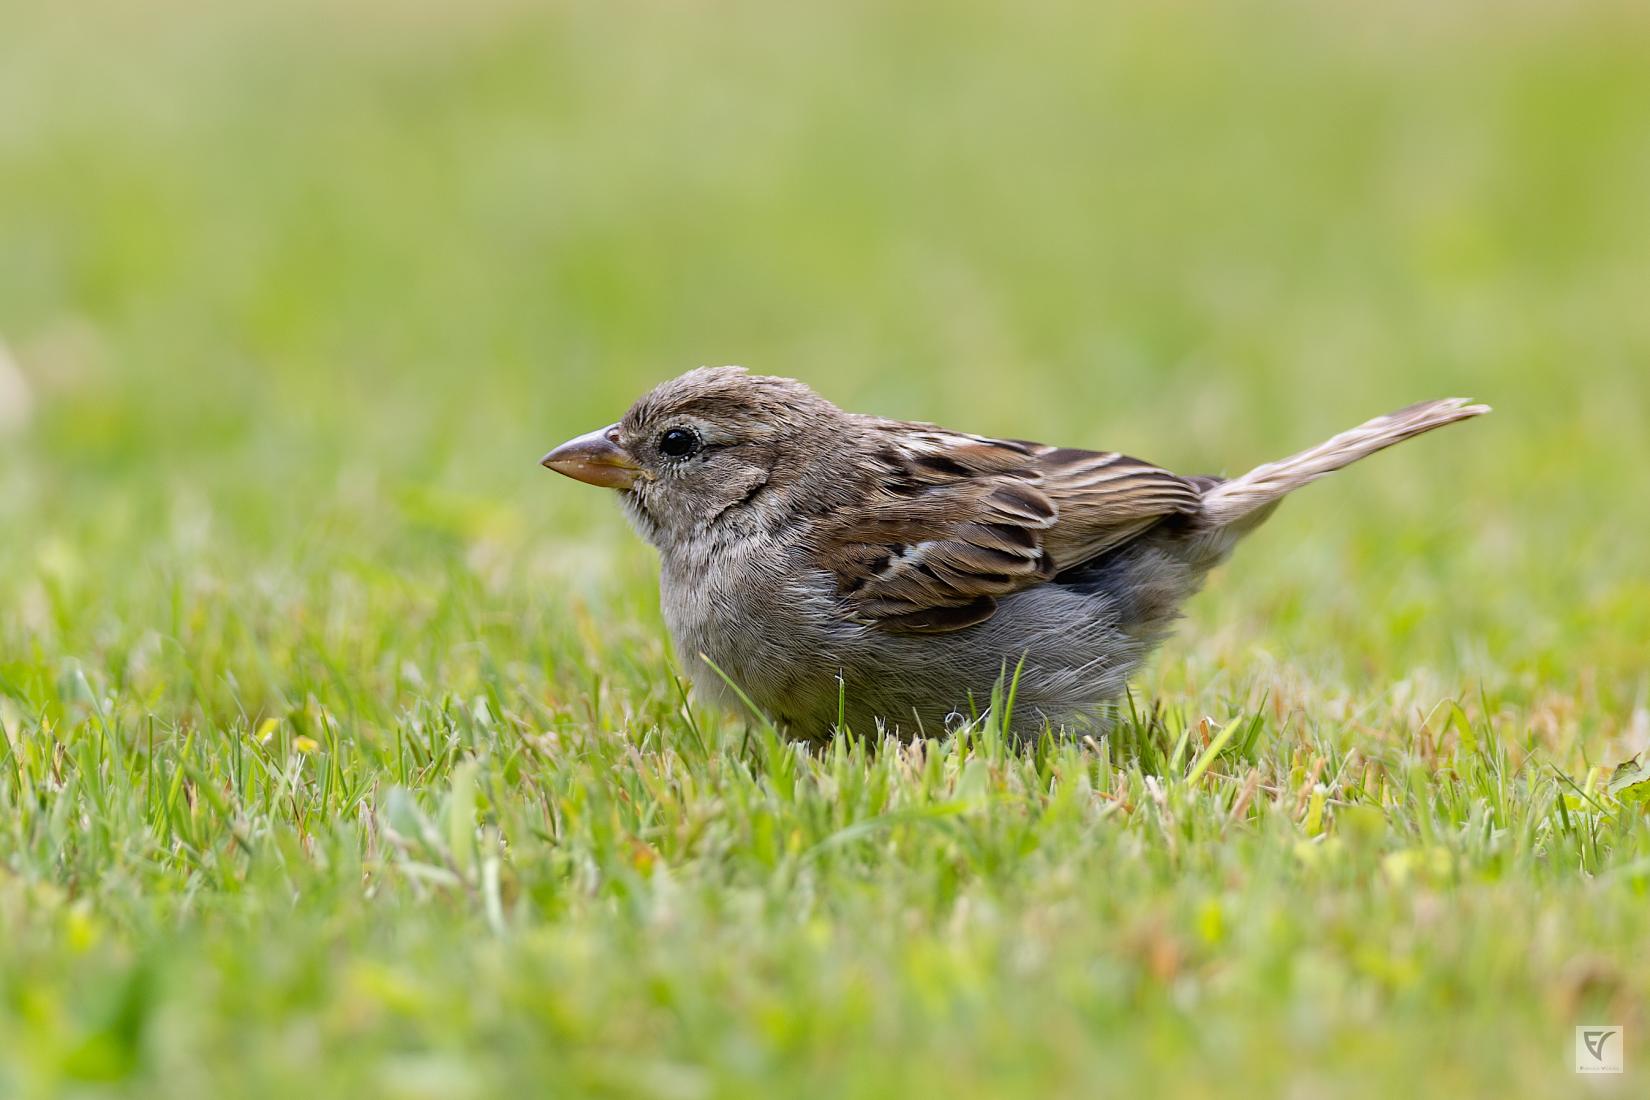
{"points": [[343, 749]]}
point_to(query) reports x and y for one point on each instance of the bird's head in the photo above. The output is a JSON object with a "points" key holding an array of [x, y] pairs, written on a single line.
{"points": [[703, 448]]}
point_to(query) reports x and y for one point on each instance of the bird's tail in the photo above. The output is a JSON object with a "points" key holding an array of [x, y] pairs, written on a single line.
{"points": [[1235, 506]]}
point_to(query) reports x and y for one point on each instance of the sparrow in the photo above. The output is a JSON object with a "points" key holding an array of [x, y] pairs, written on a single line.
{"points": [[839, 570]]}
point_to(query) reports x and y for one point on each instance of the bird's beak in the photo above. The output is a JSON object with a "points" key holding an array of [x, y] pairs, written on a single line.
{"points": [[595, 458]]}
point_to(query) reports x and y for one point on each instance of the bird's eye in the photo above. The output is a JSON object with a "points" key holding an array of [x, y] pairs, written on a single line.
{"points": [[678, 443]]}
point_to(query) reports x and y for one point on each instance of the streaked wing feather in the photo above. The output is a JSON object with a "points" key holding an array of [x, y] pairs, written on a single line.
{"points": [[955, 522], [1105, 499]]}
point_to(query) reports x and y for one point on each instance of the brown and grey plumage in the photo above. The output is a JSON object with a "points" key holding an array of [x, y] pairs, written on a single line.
{"points": [[836, 565]]}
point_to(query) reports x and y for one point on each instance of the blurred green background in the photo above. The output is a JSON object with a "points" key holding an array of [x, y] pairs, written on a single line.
{"points": [[293, 296], [308, 278]]}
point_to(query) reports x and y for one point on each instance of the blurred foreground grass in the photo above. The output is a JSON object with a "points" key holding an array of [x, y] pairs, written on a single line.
{"points": [[342, 747]]}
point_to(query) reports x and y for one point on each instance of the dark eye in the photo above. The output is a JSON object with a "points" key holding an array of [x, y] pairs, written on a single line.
{"points": [[678, 443]]}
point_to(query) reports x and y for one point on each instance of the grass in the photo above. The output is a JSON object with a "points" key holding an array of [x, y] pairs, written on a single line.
{"points": [[343, 749]]}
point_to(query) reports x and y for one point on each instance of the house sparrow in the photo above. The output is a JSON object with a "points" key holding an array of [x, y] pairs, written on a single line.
{"points": [[843, 569]]}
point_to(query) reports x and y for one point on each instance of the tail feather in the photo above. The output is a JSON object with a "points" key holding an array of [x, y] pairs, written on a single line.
{"points": [[1245, 501]]}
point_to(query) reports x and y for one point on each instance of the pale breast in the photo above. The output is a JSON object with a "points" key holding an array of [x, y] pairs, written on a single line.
{"points": [[748, 609]]}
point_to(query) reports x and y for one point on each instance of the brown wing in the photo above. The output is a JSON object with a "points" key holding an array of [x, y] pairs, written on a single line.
{"points": [[1105, 499], [956, 521]]}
